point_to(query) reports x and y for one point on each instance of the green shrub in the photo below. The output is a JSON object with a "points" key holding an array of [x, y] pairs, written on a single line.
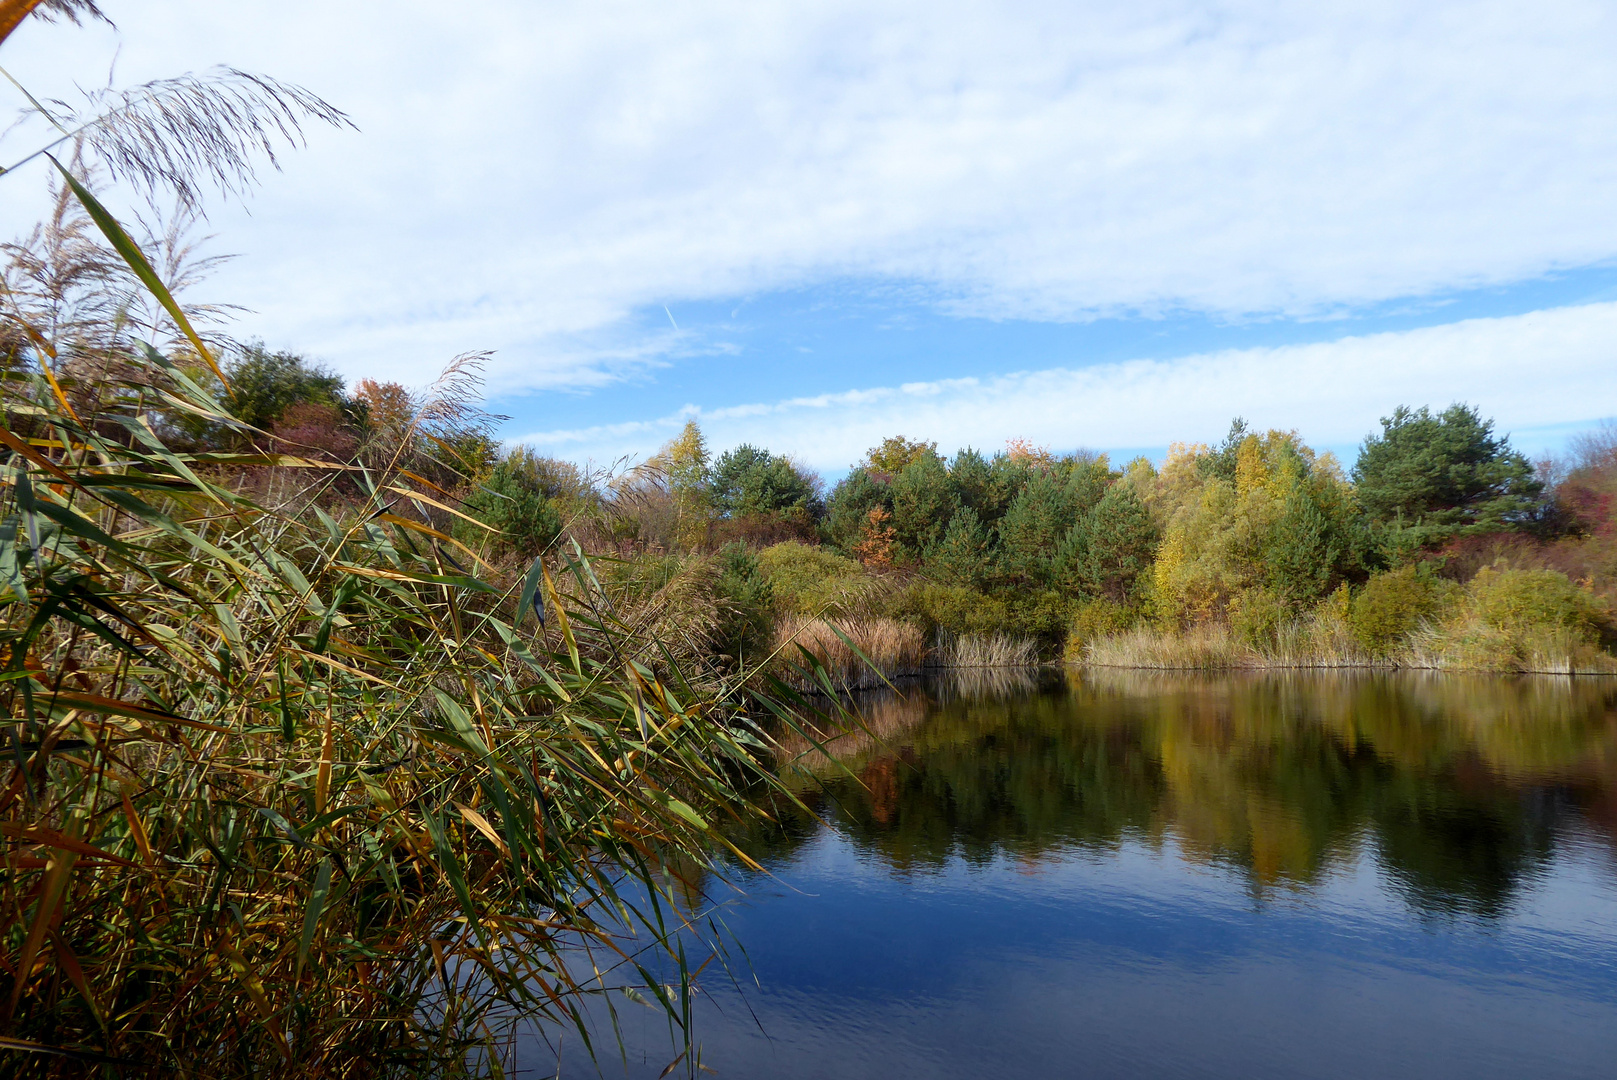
{"points": [[513, 500], [806, 580], [958, 611], [1518, 601], [954, 609], [1392, 605], [1092, 620], [745, 602], [1256, 616]]}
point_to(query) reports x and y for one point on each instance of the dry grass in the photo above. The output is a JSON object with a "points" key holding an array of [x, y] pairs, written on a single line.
{"points": [[1464, 646], [1469, 644], [1211, 648], [987, 651], [891, 648]]}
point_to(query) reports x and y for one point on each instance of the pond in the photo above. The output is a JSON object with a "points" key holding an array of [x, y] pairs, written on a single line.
{"points": [[1121, 874]]}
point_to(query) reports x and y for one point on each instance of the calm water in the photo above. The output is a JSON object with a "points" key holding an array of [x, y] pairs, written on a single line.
{"points": [[1136, 875]]}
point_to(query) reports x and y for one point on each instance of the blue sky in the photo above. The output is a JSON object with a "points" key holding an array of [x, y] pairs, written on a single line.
{"points": [[812, 225]]}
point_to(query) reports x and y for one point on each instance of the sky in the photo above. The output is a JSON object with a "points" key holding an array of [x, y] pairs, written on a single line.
{"points": [[810, 226]]}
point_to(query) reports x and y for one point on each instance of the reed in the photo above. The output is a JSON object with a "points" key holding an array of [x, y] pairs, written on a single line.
{"points": [[987, 651], [310, 788], [852, 653], [1209, 648]]}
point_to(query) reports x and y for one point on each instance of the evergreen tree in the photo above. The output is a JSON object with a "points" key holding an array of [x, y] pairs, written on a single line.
{"points": [[972, 477], [1303, 552], [848, 509], [963, 556], [1034, 527], [512, 499], [749, 480], [1433, 477], [1111, 546], [923, 501]]}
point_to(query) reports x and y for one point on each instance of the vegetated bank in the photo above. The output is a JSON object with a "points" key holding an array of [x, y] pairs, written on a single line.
{"points": [[1443, 547]]}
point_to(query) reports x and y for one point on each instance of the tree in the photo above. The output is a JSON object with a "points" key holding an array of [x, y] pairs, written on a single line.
{"points": [[1433, 477], [897, 452], [1112, 545], [513, 500], [265, 384], [749, 480], [1303, 552], [685, 461], [973, 478], [1034, 526], [923, 501], [848, 508], [963, 555]]}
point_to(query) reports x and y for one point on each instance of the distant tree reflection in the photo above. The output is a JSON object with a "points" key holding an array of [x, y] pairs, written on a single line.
{"points": [[1461, 786]]}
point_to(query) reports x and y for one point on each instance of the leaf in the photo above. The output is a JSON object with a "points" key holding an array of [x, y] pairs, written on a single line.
{"points": [[97, 704], [57, 874], [132, 255], [481, 824], [312, 913], [530, 594]]}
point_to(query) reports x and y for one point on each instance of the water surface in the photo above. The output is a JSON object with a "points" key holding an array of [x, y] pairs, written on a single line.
{"points": [[1126, 875]]}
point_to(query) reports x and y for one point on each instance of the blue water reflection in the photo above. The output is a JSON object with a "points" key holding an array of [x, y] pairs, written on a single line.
{"points": [[1122, 875]]}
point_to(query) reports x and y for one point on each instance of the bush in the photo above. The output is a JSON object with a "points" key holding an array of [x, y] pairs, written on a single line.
{"points": [[512, 499], [1256, 616], [1093, 620], [745, 603], [1524, 600], [1520, 620], [1392, 605], [953, 609], [958, 611], [807, 580]]}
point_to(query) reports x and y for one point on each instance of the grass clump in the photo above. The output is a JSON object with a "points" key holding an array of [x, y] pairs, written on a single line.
{"points": [[854, 653]]}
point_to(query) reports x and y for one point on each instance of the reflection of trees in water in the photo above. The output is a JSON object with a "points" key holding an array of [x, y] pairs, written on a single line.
{"points": [[1460, 783]]}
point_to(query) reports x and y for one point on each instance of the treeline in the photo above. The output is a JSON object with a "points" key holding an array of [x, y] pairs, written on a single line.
{"points": [[1442, 546]]}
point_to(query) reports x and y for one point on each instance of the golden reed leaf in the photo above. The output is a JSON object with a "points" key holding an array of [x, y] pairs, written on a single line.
{"points": [[13, 12]]}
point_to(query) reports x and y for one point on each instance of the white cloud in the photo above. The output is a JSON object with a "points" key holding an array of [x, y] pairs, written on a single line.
{"points": [[530, 173], [1527, 372]]}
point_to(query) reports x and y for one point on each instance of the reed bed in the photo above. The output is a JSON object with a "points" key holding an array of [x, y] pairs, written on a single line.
{"points": [[1200, 649], [316, 793], [852, 653], [1460, 647], [987, 651]]}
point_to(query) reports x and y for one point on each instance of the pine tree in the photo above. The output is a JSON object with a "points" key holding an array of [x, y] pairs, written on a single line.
{"points": [[963, 555], [1302, 555], [1112, 546]]}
